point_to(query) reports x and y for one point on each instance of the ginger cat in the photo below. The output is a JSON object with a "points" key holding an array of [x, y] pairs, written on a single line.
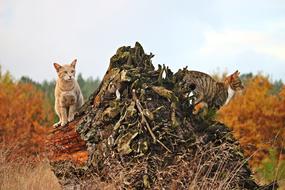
{"points": [[210, 92], [68, 96]]}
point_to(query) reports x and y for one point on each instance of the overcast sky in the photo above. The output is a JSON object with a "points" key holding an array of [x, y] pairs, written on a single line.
{"points": [[205, 35]]}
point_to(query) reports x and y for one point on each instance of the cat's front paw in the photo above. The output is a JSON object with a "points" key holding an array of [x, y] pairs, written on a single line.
{"points": [[63, 123], [57, 124], [70, 119]]}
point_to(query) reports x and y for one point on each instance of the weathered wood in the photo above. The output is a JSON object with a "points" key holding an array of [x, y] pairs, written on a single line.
{"points": [[137, 130]]}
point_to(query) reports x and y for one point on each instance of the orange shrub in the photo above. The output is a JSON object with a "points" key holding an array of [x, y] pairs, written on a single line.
{"points": [[257, 118], [24, 117]]}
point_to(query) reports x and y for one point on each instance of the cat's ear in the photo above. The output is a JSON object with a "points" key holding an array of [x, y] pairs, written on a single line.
{"points": [[57, 66], [73, 64], [236, 73]]}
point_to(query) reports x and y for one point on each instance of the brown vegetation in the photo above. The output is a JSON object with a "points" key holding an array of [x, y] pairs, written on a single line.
{"points": [[24, 118], [257, 118], [23, 174]]}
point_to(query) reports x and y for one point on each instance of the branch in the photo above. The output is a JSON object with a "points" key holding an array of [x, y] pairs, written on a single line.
{"points": [[139, 106]]}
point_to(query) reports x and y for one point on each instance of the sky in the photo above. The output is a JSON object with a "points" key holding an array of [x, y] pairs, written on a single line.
{"points": [[205, 35]]}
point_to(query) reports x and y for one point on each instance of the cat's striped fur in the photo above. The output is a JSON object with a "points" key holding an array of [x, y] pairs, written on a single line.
{"points": [[210, 91]]}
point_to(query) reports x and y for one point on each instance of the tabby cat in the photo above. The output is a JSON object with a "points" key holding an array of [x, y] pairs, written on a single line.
{"points": [[207, 90]]}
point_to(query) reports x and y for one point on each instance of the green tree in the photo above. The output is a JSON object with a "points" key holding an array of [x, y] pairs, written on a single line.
{"points": [[272, 167], [6, 77], [277, 86], [87, 85]]}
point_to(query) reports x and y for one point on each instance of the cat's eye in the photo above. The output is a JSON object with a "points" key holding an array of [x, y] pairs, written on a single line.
{"points": [[65, 72], [72, 71]]}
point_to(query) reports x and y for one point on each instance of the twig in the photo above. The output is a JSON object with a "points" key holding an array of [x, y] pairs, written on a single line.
{"points": [[163, 145], [139, 106]]}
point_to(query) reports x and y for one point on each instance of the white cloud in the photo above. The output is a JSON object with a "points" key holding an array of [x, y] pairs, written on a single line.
{"points": [[201, 34], [230, 42]]}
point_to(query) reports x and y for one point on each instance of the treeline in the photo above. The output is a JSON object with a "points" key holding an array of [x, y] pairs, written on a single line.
{"points": [[87, 85]]}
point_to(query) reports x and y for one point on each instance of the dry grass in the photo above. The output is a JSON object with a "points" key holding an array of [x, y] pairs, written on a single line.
{"points": [[37, 175], [210, 169], [27, 177], [22, 174]]}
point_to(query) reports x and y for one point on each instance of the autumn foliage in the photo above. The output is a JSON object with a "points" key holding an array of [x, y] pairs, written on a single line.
{"points": [[257, 117], [24, 118]]}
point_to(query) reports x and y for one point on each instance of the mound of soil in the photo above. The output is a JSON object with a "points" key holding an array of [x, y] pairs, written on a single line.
{"points": [[137, 131]]}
